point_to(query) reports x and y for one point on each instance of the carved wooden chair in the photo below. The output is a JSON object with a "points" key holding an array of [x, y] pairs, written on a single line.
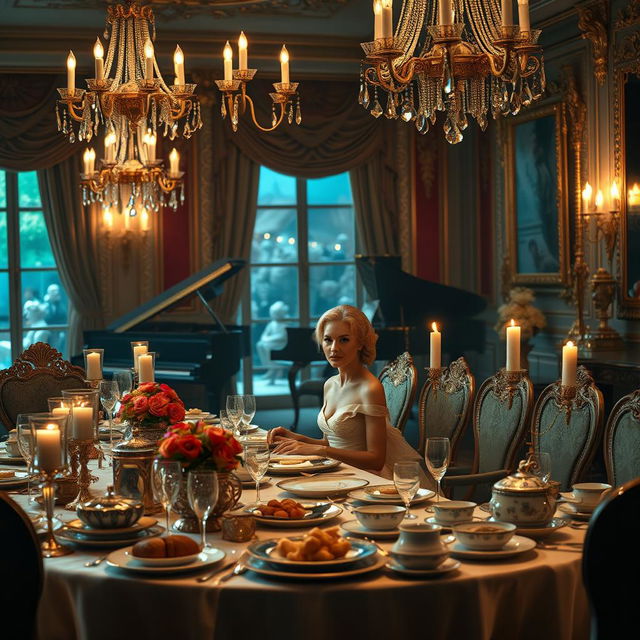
{"points": [[444, 405], [399, 379], [40, 372], [569, 430], [501, 414], [622, 440], [608, 563]]}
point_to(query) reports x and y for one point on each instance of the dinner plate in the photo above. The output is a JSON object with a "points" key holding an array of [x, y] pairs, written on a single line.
{"points": [[572, 510], [447, 566], [78, 526], [122, 559], [178, 561], [101, 543], [321, 486], [540, 532], [515, 546], [7, 459], [20, 479], [421, 496], [354, 527], [333, 511], [323, 464], [264, 568], [265, 550]]}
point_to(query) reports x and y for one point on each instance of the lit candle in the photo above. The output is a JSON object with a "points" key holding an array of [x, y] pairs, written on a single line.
{"points": [[144, 220], [89, 160], [98, 53], [110, 146], [599, 200], [227, 54], [48, 449], [178, 66], [387, 18], [145, 368], [284, 65], [586, 198], [138, 350], [174, 163], [150, 141], [242, 51], [377, 19], [615, 196], [513, 347], [569, 364], [71, 73], [507, 12], [82, 423], [107, 219], [435, 361], [523, 15], [60, 411], [445, 12], [148, 54], [94, 366], [634, 195]]}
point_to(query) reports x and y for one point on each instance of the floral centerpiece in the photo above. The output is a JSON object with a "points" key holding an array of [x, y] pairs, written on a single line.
{"points": [[152, 405]]}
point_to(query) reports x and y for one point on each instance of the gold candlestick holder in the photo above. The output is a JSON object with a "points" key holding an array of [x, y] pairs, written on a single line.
{"points": [[434, 375], [565, 398], [50, 547], [82, 448], [507, 383]]}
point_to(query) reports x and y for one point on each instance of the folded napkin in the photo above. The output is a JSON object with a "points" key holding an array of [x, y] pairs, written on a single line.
{"points": [[277, 458]]}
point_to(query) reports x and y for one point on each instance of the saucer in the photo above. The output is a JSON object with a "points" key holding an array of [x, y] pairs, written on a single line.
{"points": [[354, 527], [569, 498], [540, 532], [515, 546], [447, 566], [572, 510], [447, 527]]}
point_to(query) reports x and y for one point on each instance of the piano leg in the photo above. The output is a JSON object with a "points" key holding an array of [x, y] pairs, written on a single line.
{"points": [[291, 376]]}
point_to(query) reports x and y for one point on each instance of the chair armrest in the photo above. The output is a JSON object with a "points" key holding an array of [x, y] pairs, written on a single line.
{"points": [[458, 471], [473, 479]]}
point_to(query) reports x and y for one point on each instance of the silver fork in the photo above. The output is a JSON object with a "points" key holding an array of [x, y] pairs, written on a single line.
{"points": [[225, 565], [96, 562], [237, 570]]}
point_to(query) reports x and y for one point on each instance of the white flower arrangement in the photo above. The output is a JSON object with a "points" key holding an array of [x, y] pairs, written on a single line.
{"points": [[520, 308]]}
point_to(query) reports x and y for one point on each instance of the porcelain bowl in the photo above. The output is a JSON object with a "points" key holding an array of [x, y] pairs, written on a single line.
{"points": [[454, 511], [484, 536], [382, 517], [415, 560]]}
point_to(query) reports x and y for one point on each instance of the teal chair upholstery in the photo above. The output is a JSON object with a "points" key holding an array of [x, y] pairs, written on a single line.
{"points": [[622, 441], [501, 414], [570, 437], [444, 406], [399, 380]]}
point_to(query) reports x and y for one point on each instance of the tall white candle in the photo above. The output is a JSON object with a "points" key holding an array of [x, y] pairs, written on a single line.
{"points": [[377, 19], [445, 12], [507, 12], [71, 73], [48, 448], [227, 54], [150, 142], [435, 353], [89, 161], [174, 162], [523, 15], [513, 347], [98, 53], [145, 368], [615, 196], [387, 18], [82, 423], [599, 200], [284, 65], [138, 350], [178, 65], [569, 364], [148, 54], [60, 411], [94, 367], [242, 51]]}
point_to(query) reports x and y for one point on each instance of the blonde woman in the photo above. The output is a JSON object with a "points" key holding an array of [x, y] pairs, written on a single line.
{"points": [[354, 417]]}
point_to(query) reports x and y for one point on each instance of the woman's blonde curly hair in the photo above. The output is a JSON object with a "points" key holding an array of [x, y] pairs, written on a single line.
{"points": [[360, 327]]}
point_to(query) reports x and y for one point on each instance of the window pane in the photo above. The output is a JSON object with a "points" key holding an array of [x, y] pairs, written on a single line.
{"points": [[57, 338], [4, 300], [28, 190], [269, 376], [332, 190], [5, 350], [276, 188], [3, 189], [44, 300], [331, 234], [4, 247], [330, 286], [275, 236], [270, 285], [35, 249]]}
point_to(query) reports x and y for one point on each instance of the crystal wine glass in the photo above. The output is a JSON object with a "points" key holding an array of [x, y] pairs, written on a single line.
{"points": [[124, 380], [109, 392], [256, 461], [437, 456], [406, 477], [235, 411], [25, 445], [248, 411], [202, 491], [167, 476]]}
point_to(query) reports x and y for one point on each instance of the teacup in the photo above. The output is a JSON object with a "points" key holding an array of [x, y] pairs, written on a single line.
{"points": [[484, 536], [419, 546], [384, 517], [452, 512], [12, 448], [587, 495]]}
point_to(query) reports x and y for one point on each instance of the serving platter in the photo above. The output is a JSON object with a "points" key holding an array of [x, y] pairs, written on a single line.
{"points": [[122, 559], [77, 526], [101, 543], [322, 486], [329, 512]]}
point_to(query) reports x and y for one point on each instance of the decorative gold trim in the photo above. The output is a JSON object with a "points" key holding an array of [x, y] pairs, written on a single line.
{"points": [[593, 23], [628, 16]]}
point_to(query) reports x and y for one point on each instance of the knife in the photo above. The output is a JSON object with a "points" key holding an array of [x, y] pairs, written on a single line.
{"points": [[237, 570], [225, 565]]}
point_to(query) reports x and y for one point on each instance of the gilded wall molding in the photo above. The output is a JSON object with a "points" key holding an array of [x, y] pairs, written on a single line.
{"points": [[593, 24], [628, 16]]}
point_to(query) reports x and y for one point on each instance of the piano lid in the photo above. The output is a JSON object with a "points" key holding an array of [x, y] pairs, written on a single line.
{"points": [[207, 282]]}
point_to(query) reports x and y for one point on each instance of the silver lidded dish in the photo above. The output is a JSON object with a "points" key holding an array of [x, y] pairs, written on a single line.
{"points": [[110, 511]]}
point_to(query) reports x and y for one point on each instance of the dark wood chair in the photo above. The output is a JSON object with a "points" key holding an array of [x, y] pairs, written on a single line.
{"points": [[40, 372], [622, 441], [21, 563], [611, 563], [399, 380]]}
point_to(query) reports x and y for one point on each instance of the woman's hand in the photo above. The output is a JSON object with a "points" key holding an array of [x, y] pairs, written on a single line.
{"points": [[280, 433], [288, 445]]}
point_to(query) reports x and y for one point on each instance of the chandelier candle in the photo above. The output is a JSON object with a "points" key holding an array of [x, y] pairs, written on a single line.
{"points": [[148, 55], [387, 19], [507, 13], [523, 16], [435, 354], [98, 52], [513, 347], [89, 161], [71, 73], [377, 19], [150, 141], [284, 65], [445, 12], [242, 51], [174, 163], [227, 54], [178, 65], [569, 364]]}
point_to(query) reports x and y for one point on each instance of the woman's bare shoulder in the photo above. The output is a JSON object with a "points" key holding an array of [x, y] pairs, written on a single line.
{"points": [[371, 391]]}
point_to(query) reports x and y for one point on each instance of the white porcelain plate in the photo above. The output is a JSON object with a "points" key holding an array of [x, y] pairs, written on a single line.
{"points": [[572, 510], [540, 532], [333, 511], [77, 526], [447, 566], [354, 527], [315, 464], [19, 479], [5, 458], [515, 546], [105, 543], [321, 486], [421, 496], [122, 559], [179, 561]]}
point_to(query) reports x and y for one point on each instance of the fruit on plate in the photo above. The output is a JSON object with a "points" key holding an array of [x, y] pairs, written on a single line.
{"points": [[286, 509]]}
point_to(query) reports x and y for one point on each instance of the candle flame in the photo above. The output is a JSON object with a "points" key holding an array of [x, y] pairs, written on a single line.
{"points": [[599, 198], [434, 327], [615, 192], [242, 41], [387, 4], [227, 52], [586, 193], [377, 7], [569, 344], [71, 61], [148, 48], [284, 55], [89, 154], [107, 218], [98, 49], [174, 156], [51, 427], [110, 139], [513, 322]]}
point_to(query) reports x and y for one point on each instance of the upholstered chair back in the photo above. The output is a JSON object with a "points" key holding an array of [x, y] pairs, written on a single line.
{"points": [[622, 440], [399, 380], [569, 430], [444, 405]]}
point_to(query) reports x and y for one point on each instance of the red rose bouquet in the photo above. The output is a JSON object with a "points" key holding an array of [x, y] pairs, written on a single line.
{"points": [[197, 444], [152, 405]]}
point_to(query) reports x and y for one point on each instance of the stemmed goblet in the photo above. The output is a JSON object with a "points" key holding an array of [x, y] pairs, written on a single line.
{"points": [[25, 445], [235, 411], [248, 411], [124, 380], [437, 456], [256, 461], [406, 477], [202, 491], [167, 476], [109, 391]]}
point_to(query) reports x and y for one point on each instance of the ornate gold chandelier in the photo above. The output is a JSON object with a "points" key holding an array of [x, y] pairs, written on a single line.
{"points": [[129, 100], [465, 59]]}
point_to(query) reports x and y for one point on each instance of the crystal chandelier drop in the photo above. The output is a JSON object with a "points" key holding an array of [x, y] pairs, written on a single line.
{"points": [[462, 57], [129, 101]]}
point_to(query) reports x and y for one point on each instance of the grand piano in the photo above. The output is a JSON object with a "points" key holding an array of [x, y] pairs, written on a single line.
{"points": [[402, 308], [197, 360]]}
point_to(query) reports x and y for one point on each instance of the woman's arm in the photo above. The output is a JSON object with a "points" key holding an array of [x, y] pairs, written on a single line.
{"points": [[282, 435]]}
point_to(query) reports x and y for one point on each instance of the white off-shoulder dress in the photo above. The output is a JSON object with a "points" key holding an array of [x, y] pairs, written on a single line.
{"points": [[346, 429]]}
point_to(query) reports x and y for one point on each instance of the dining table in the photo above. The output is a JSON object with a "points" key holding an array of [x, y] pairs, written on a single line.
{"points": [[537, 594]]}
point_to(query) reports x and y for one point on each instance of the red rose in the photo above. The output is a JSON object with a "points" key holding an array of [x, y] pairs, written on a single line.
{"points": [[169, 391], [140, 405], [235, 446], [189, 446], [180, 427], [126, 398], [158, 404], [175, 412], [216, 437], [147, 387], [168, 446]]}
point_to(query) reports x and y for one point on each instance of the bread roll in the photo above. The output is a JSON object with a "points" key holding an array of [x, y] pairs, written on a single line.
{"points": [[169, 547], [151, 548]]}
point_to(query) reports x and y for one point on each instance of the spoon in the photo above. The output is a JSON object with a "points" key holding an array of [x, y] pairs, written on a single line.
{"points": [[380, 548]]}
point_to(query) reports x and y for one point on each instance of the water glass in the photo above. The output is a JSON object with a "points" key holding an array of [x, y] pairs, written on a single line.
{"points": [[167, 476], [406, 477], [541, 465], [248, 411], [235, 411], [202, 491], [437, 456], [256, 461]]}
